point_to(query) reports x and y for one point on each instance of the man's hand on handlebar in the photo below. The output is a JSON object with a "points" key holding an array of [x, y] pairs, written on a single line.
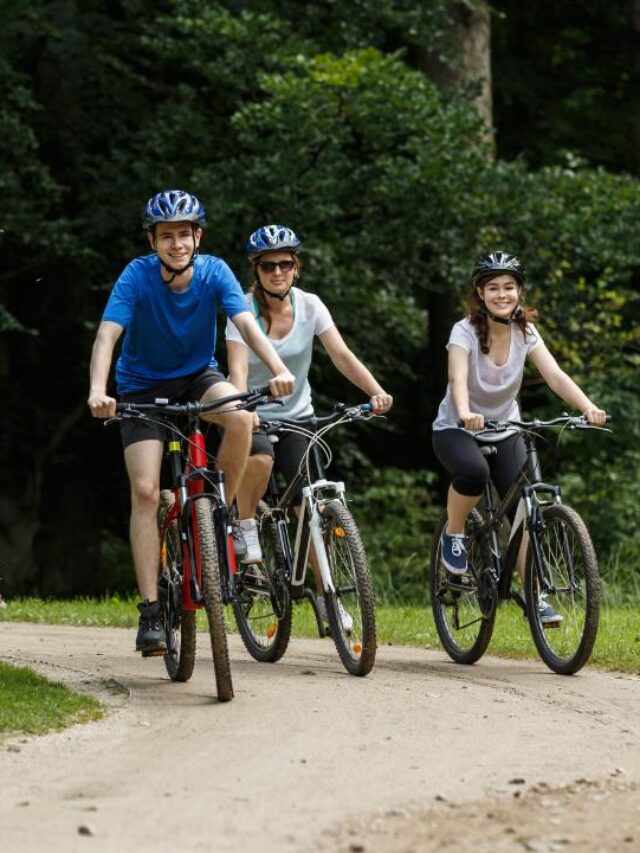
{"points": [[101, 405], [282, 384]]}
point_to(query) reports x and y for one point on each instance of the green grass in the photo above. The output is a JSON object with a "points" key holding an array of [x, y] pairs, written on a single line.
{"points": [[617, 647], [31, 704]]}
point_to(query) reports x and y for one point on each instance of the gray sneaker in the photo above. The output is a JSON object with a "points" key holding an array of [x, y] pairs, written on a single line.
{"points": [[247, 530]]}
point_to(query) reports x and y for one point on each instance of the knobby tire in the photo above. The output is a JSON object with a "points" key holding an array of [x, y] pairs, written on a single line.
{"points": [[571, 569], [464, 619], [202, 510], [354, 590], [180, 625], [262, 603]]}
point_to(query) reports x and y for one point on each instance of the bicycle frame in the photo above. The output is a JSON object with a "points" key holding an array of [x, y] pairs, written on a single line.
{"points": [[525, 490], [188, 485], [309, 525]]}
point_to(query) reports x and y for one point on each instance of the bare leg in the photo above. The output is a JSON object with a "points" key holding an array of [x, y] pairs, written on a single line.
{"points": [[143, 460], [458, 508], [253, 485], [522, 556], [236, 440]]}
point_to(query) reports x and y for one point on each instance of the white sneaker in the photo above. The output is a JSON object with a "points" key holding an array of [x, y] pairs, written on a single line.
{"points": [[347, 621], [249, 529]]}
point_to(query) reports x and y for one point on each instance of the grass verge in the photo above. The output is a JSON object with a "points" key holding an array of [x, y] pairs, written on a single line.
{"points": [[617, 646], [32, 704]]}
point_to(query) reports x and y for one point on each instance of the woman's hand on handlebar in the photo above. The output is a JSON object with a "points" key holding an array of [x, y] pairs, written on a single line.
{"points": [[472, 420], [282, 384], [381, 403], [594, 415], [101, 405]]}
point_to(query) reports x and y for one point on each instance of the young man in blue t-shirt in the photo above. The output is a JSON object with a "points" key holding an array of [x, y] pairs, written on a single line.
{"points": [[166, 305]]}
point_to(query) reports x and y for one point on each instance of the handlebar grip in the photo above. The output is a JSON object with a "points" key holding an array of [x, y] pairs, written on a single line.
{"points": [[261, 391]]}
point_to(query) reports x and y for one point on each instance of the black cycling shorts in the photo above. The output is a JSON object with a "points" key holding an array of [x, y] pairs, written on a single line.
{"points": [[186, 389], [287, 452]]}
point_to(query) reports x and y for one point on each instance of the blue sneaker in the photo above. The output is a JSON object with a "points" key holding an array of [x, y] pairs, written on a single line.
{"points": [[547, 615], [454, 553]]}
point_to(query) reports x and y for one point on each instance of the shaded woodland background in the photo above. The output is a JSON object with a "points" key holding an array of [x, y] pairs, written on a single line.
{"points": [[399, 139]]}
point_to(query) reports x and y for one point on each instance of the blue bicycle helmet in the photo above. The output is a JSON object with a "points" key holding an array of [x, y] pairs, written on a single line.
{"points": [[173, 206], [272, 238], [496, 263]]}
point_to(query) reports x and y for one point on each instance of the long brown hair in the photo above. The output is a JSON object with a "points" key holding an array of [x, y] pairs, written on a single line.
{"points": [[478, 313], [256, 290]]}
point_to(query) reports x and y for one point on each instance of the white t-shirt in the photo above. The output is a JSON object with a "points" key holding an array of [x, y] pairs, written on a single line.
{"points": [[493, 389], [311, 318]]}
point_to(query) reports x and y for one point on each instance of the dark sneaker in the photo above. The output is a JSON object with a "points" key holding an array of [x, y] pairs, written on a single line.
{"points": [[151, 634], [454, 553], [547, 615]]}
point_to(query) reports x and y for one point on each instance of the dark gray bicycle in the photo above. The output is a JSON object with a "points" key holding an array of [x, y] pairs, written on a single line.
{"points": [[561, 565]]}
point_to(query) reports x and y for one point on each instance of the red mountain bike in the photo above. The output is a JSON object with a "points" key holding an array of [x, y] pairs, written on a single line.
{"points": [[197, 561]]}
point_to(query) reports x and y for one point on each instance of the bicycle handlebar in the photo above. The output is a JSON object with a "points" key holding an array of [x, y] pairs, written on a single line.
{"points": [[342, 411], [569, 421], [248, 399]]}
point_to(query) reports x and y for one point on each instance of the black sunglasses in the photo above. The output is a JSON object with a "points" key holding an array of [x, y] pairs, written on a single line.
{"points": [[270, 266]]}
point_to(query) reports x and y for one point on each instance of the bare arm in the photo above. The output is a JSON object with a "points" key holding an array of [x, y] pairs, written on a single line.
{"points": [[238, 361], [99, 402], [282, 383], [458, 363], [350, 366], [564, 386]]}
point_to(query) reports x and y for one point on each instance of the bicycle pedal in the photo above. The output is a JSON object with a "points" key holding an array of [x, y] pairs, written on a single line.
{"points": [[154, 653]]}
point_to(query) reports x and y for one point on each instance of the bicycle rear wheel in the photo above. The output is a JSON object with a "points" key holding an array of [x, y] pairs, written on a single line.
{"points": [[180, 625], [464, 613], [351, 608], [261, 603], [206, 553], [570, 584]]}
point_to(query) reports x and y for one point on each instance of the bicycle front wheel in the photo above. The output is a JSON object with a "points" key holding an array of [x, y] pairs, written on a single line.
{"points": [[351, 608], [206, 554], [180, 626], [464, 611], [568, 582], [261, 603]]}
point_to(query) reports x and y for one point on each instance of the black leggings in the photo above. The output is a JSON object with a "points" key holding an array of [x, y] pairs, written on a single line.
{"points": [[460, 454]]}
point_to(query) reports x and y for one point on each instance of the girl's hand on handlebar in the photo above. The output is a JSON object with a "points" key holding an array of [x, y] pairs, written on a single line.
{"points": [[282, 384], [594, 415], [381, 403], [473, 421], [101, 405]]}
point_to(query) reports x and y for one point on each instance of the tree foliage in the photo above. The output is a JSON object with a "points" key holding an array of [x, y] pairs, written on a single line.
{"points": [[312, 114]]}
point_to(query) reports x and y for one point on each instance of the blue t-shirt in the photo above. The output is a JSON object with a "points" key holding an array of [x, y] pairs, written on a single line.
{"points": [[169, 335]]}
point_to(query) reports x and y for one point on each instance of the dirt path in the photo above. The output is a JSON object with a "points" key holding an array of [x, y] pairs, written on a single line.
{"points": [[421, 755]]}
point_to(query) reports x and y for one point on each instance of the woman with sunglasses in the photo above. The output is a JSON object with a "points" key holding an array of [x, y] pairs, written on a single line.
{"points": [[290, 318]]}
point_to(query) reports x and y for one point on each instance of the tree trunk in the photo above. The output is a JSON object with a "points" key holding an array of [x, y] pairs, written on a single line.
{"points": [[471, 31], [634, 9]]}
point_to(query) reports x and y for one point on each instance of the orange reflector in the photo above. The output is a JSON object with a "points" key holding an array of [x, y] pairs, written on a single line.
{"points": [[163, 554], [272, 629], [339, 531], [357, 648]]}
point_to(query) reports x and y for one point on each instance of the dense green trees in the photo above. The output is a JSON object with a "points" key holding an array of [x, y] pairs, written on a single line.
{"points": [[317, 114]]}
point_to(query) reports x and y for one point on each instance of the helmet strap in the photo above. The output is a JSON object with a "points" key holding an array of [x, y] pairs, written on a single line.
{"points": [[176, 272], [505, 321], [280, 296]]}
